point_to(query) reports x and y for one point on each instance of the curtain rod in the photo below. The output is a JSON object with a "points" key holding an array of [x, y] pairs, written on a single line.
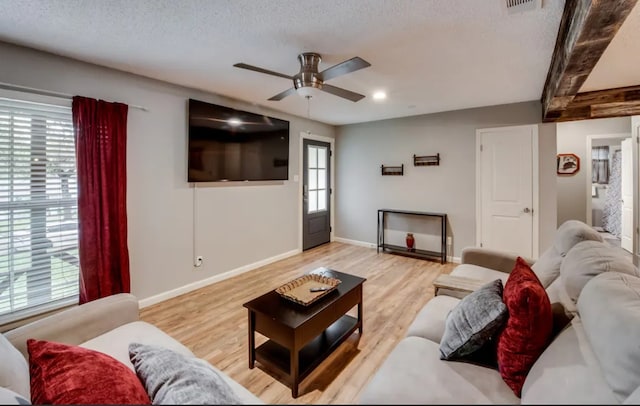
{"points": [[9, 86]]}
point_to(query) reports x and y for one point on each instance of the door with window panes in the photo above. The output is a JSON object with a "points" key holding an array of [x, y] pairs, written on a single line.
{"points": [[316, 187]]}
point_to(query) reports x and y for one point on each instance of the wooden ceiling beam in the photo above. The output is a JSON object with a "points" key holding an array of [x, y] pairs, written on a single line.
{"points": [[586, 29], [622, 101]]}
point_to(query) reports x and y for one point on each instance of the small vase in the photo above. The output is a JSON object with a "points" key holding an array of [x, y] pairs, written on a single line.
{"points": [[410, 241]]}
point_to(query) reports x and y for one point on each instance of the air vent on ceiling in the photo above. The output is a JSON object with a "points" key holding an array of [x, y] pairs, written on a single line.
{"points": [[518, 6]]}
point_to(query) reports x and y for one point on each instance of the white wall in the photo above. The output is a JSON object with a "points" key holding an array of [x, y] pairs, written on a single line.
{"points": [[236, 225], [448, 188], [572, 139]]}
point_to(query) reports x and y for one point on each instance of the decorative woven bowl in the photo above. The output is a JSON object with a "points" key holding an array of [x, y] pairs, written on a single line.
{"points": [[299, 290]]}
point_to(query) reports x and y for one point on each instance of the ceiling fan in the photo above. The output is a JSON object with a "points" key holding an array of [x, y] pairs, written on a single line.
{"points": [[309, 77]]}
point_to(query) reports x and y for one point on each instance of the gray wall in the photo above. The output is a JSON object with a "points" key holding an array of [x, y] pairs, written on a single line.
{"points": [[572, 139], [449, 188], [547, 204], [236, 225]]}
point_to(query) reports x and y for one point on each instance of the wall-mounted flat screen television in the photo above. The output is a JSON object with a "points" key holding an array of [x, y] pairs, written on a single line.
{"points": [[226, 144]]}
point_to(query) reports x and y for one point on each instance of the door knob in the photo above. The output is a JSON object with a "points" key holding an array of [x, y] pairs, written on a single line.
{"points": [[526, 210]]}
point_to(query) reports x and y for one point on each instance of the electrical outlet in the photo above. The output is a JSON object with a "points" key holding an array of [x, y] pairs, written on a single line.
{"points": [[449, 240], [199, 260]]}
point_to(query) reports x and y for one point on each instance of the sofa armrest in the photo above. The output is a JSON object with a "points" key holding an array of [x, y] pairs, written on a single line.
{"points": [[497, 260], [78, 324]]}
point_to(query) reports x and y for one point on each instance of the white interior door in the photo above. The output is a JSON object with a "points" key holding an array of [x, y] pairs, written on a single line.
{"points": [[506, 183], [626, 180]]}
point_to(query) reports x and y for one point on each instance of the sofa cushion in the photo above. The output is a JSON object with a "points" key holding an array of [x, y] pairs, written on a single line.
{"points": [[570, 233], [116, 343], [610, 310], [9, 397], [68, 374], [634, 398], [14, 369], [588, 259], [567, 372], [558, 294], [528, 328], [430, 320], [414, 374], [474, 321], [547, 267], [573, 232], [171, 378]]}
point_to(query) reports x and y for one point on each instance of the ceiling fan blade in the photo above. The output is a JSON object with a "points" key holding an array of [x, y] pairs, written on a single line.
{"points": [[347, 94], [342, 68], [284, 94], [256, 69]]}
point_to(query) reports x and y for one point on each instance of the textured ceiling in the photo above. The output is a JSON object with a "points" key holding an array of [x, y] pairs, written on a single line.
{"points": [[428, 55], [619, 65]]}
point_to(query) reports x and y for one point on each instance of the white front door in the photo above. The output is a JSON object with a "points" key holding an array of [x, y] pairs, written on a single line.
{"points": [[506, 187], [626, 179]]}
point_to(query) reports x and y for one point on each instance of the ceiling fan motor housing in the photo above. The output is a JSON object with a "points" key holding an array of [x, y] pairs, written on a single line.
{"points": [[308, 78], [309, 62]]}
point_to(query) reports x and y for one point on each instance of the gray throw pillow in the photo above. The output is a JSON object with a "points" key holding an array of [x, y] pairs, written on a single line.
{"points": [[171, 378], [474, 321]]}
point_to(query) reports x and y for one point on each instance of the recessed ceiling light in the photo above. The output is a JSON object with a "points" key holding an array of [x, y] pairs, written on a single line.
{"points": [[379, 96], [234, 122]]}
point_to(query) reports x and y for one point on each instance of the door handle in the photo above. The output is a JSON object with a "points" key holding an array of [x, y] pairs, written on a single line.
{"points": [[527, 210]]}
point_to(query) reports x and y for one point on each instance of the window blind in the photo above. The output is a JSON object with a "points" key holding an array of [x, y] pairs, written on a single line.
{"points": [[39, 266]]}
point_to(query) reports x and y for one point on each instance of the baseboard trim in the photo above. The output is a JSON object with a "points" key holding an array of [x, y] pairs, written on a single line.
{"points": [[149, 301], [455, 260], [354, 242]]}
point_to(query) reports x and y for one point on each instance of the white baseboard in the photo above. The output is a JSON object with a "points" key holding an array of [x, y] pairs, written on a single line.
{"points": [[213, 279], [354, 242], [455, 260]]}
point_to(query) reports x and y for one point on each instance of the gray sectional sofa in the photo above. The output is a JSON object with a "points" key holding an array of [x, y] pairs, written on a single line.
{"points": [[595, 358], [107, 325]]}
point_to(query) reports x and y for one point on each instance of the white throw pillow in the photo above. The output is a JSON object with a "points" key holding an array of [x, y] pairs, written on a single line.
{"points": [[14, 369], [9, 397]]}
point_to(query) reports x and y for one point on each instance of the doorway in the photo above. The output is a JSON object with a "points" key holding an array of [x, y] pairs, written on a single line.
{"points": [[507, 189], [610, 194], [317, 190]]}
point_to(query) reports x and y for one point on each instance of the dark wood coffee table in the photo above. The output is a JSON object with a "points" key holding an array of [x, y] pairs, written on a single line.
{"points": [[301, 337]]}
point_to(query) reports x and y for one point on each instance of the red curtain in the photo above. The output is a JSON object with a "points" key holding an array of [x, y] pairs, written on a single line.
{"points": [[101, 152]]}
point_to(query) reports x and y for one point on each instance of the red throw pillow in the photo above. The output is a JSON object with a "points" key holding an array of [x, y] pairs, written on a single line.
{"points": [[528, 327], [67, 374]]}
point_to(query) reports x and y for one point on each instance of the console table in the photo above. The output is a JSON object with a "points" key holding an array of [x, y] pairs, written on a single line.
{"points": [[418, 253]]}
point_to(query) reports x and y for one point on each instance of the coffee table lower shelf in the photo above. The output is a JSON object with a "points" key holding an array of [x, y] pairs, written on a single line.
{"points": [[275, 356]]}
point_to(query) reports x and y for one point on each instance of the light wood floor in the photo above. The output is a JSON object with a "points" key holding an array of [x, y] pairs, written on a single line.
{"points": [[213, 323]]}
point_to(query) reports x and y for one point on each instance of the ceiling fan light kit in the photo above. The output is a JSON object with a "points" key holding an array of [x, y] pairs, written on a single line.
{"points": [[307, 91], [308, 80]]}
